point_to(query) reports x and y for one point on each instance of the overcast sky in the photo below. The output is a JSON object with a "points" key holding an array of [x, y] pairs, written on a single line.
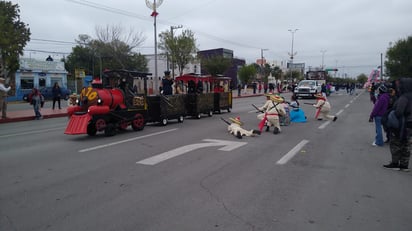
{"points": [[349, 34]]}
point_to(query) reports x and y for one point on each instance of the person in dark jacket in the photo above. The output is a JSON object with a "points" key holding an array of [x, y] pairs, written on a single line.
{"points": [[400, 138], [167, 83], [378, 111], [371, 92], [56, 94]]}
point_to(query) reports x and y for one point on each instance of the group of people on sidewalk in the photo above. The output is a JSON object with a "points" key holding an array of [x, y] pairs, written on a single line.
{"points": [[392, 113], [37, 100]]}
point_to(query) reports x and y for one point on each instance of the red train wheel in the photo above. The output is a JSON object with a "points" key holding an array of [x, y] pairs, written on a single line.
{"points": [[100, 125], [138, 122], [123, 125]]}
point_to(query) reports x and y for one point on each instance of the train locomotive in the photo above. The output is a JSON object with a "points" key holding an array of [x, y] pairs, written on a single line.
{"points": [[114, 103], [103, 107]]}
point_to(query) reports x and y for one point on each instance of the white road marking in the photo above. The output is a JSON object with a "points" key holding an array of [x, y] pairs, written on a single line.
{"points": [[228, 146], [124, 141], [324, 125], [339, 112], [292, 152], [347, 105]]}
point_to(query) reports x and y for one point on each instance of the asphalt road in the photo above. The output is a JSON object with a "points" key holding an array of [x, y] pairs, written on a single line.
{"points": [[195, 176]]}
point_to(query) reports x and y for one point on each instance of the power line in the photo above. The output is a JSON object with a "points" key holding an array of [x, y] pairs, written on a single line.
{"points": [[146, 18]]}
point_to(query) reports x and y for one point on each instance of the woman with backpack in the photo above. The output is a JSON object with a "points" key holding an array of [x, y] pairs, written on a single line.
{"points": [[37, 100]]}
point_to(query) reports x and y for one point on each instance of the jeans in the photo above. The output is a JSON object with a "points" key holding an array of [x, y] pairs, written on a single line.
{"points": [[36, 108], [378, 129]]}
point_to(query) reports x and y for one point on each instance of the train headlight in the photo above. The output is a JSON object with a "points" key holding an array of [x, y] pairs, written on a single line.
{"points": [[99, 101]]}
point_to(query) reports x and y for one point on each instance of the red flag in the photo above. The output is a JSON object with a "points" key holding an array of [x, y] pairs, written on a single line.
{"points": [[154, 14]]}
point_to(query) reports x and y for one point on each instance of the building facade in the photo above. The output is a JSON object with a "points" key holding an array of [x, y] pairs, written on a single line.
{"points": [[37, 74], [225, 53]]}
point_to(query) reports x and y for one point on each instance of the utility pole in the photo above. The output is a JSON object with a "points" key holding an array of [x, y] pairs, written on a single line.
{"points": [[323, 55], [174, 45], [381, 67], [261, 63]]}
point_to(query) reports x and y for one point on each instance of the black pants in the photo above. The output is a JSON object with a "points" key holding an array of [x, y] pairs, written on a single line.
{"points": [[58, 101]]}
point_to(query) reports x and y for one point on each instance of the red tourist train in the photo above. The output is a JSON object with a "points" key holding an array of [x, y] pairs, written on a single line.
{"points": [[121, 100]]}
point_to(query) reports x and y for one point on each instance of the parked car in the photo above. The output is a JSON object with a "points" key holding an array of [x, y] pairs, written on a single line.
{"points": [[48, 93]]}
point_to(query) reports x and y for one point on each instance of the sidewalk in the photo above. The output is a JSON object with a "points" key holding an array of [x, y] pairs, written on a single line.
{"points": [[22, 112], [28, 114]]}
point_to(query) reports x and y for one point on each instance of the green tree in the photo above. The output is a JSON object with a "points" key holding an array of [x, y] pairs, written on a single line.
{"points": [[277, 72], [14, 36], [215, 65], [399, 59], [113, 49], [362, 78], [247, 73], [182, 48]]}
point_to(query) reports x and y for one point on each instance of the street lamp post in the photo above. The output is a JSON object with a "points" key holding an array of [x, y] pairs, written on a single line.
{"points": [[292, 53], [262, 71], [153, 6]]}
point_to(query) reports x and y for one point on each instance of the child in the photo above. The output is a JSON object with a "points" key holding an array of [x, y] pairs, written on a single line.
{"points": [[297, 115]]}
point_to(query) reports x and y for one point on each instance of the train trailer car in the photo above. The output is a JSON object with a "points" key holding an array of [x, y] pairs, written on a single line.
{"points": [[162, 108], [222, 94], [109, 105], [205, 94]]}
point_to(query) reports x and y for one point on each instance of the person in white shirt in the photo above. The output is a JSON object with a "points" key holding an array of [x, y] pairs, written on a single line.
{"points": [[3, 97]]}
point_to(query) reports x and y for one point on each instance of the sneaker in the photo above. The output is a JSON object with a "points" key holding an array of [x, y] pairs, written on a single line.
{"points": [[335, 118], [373, 144], [276, 130], [404, 168], [392, 166], [238, 135]]}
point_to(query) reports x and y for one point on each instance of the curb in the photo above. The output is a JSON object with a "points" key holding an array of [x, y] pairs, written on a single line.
{"points": [[28, 118]]}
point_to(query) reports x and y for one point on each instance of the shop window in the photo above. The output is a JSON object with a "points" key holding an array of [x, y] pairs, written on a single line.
{"points": [[26, 83]]}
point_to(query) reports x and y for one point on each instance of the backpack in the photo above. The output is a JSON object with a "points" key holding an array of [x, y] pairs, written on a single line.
{"points": [[392, 121]]}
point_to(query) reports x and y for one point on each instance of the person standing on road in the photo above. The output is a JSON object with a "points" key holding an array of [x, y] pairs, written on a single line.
{"points": [[378, 111], [372, 90], [400, 140], [3, 98], [56, 95]]}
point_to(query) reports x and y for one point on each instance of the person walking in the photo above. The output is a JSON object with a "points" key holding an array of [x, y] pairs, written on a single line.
{"points": [[56, 95], [36, 100], [3, 98], [379, 109], [400, 141]]}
